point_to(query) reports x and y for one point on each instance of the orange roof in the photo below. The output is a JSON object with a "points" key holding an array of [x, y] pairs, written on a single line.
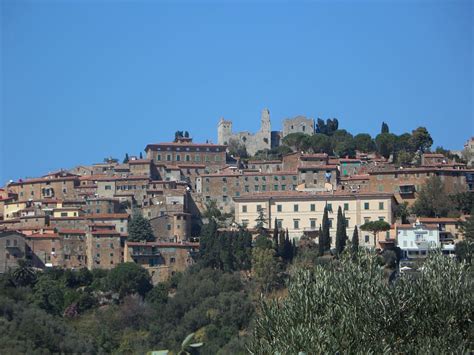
{"points": [[42, 235], [176, 144], [162, 244], [439, 220], [107, 216], [105, 232], [71, 231], [140, 161]]}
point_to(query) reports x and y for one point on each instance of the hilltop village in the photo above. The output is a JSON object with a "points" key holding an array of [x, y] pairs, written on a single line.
{"points": [[150, 209]]}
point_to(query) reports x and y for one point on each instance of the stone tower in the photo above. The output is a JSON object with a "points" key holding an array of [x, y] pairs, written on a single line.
{"points": [[224, 131], [264, 137]]}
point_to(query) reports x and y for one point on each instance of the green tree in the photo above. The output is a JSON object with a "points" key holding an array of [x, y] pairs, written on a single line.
{"points": [[363, 142], [320, 143], [325, 237], [24, 275], [261, 222], [139, 229], [403, 212], [328, 127], [355, 241], [237, 148], [266, 269], [375, 227], [464, 251], [352, 309], [467, 227], [263, 242], [385, 143], [341, 233], [297, 141], [48, 294], [421, 139], [129, 278], [125, 160], [275, 235], [432, 200], [384, 128]]}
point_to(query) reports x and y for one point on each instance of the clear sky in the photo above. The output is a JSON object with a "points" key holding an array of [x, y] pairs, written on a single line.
{"points": [[82, 80]]}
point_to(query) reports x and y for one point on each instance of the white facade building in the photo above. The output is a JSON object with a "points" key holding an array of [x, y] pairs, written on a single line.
{"points": [[417, 240]]}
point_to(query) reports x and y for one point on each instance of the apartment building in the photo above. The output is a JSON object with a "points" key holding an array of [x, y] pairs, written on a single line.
{"points": [[302, 212]]}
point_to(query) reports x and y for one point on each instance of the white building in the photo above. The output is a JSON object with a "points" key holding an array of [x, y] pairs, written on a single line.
{"points": [[417, 240]]}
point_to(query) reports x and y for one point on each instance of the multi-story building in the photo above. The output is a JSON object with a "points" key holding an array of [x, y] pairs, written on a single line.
{"points": [[222, 187], [162, 260], [302, 213], [213, 156], [104, 247], [12, 249], [59, 185], [417, 240]]}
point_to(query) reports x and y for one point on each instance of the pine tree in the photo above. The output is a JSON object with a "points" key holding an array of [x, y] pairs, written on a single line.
{"points": [[341, 235], [125, 160], [355, 241], [141, 155], [384, 128]]}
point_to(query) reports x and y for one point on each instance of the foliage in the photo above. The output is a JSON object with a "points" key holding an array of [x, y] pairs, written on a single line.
{"points": [[296, 141], [385, 143], [139, 229], [263, 242], [126, 158], [421, 139], [237, 148], [467, 227], [402, 211], [228, 251], [463, 201], [364, 143], [464, 251], [324, 236], [320, 143], [432, 200], [129, 278], [266, 269], [341, 233], [343, 143], [355, 242], [384, 128], [328, 127], [375, 227], [352, 309]]}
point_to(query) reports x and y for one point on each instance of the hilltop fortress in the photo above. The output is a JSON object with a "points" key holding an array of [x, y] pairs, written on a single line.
{"points": [[265, 138]]}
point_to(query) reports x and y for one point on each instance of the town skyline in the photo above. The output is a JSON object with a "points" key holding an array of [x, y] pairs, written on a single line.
{"points": [[70, 76]]}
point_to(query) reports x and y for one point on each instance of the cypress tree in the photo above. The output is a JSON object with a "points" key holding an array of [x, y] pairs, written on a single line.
{"points": [[125, 160], [287, 249], [275, 236], [294, 251], [384, 128], [355, 241], [281, 243], [141, 155], [321, 242], [341, 235], [326, 238]]}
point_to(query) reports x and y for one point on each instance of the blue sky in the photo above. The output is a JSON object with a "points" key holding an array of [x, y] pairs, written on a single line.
{"points": [[82, 80]]}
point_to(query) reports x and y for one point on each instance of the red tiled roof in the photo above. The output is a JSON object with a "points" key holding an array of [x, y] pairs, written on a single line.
{"points": [[140, 161], [309, 195], [163, 244], [107, 216], [105, 232], [42, 235], [71, 231], [439, 220]]}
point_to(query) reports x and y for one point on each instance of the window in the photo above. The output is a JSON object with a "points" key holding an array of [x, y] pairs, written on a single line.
{"points": [[330, 223], [264, 187], [275, 187], [168, 157], [279, 208], [296, 224], [348, 220], [312, 223], [63, 214], [245, 222], [313, 207], [172, 260], [168, 227], [246, 188], [108, 187], [158, 157], [329, 207], [366, 206], [380, 205], [295, 208], [366, 238], [178, 157], [346, 207], [255, 188], [366, 219], [279, 223], [283, 187], [381, 218], [259, 208], [244, 208], [188, 158]]}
